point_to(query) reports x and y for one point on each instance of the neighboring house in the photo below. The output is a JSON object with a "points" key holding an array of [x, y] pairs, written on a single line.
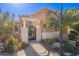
{"points": [[33, 27]]}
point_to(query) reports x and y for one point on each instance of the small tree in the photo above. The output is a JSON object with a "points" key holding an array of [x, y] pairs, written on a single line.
{"points": [[6, 22]]}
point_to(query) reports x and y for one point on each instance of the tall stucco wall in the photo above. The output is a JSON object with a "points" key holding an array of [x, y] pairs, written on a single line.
{"points": [[38, 34], [49, 35], [24, 34], [38, 31]]}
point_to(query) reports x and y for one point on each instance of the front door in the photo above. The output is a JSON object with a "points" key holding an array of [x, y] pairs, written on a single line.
{"points": [[31, 33]]}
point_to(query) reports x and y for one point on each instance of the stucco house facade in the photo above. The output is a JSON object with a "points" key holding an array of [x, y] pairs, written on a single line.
{"points": [[33, 27]]}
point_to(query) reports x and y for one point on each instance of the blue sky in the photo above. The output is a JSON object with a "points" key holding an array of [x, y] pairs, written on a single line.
{"points": [[31, 8], [28, 8], [70, 5]]}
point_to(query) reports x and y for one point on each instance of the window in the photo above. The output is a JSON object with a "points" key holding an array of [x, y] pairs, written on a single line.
{"points": [[16, 28]]}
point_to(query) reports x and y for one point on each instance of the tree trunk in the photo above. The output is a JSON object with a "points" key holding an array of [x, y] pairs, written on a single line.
{"points": [[65, 34]]}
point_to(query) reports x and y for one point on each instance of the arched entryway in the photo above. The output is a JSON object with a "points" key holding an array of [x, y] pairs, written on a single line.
{"points": [[31, 33], [30, 29]]}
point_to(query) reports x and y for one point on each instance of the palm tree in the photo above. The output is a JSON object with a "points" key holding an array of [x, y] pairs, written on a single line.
{"points": [[69, 17]]}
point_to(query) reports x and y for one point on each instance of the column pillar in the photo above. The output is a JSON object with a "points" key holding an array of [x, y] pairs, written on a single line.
{"points": [[24, 33], [38, 32]]}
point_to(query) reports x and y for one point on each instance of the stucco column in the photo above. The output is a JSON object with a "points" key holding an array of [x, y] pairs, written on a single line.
{"points": [[38, 32], [24, 33]]}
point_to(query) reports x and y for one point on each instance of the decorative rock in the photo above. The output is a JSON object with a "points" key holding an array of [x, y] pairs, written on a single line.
{"points": [[56, 45], [67, 54], [72, 42]]}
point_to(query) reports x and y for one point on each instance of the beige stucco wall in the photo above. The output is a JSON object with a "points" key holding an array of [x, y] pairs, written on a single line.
{"points": [[49, 35], [24, 35], [24, 32], [38, 32]]}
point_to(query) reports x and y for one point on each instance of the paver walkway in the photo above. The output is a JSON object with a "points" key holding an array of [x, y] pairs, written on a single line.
{"points": [[36, 49]]}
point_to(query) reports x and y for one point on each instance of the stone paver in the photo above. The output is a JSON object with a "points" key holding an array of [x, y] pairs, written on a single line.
{"points": [[21, 53], [39, 48], [36, 49]]}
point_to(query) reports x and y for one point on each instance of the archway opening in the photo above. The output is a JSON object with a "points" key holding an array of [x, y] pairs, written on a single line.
{"points": [[31, 33]]}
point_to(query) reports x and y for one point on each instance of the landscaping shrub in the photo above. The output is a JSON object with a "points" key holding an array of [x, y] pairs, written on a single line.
{"points": [[72, 35], [12, 44], [50, 41], [24, 45], [68, 47], [77, 45], [9, 47]]}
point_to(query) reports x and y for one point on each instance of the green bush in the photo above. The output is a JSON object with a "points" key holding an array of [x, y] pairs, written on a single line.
{"points": [[9, 47], [13, 44], [49, 41], [72, 35], [24, 45], [68, 47], [77, 44]]}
